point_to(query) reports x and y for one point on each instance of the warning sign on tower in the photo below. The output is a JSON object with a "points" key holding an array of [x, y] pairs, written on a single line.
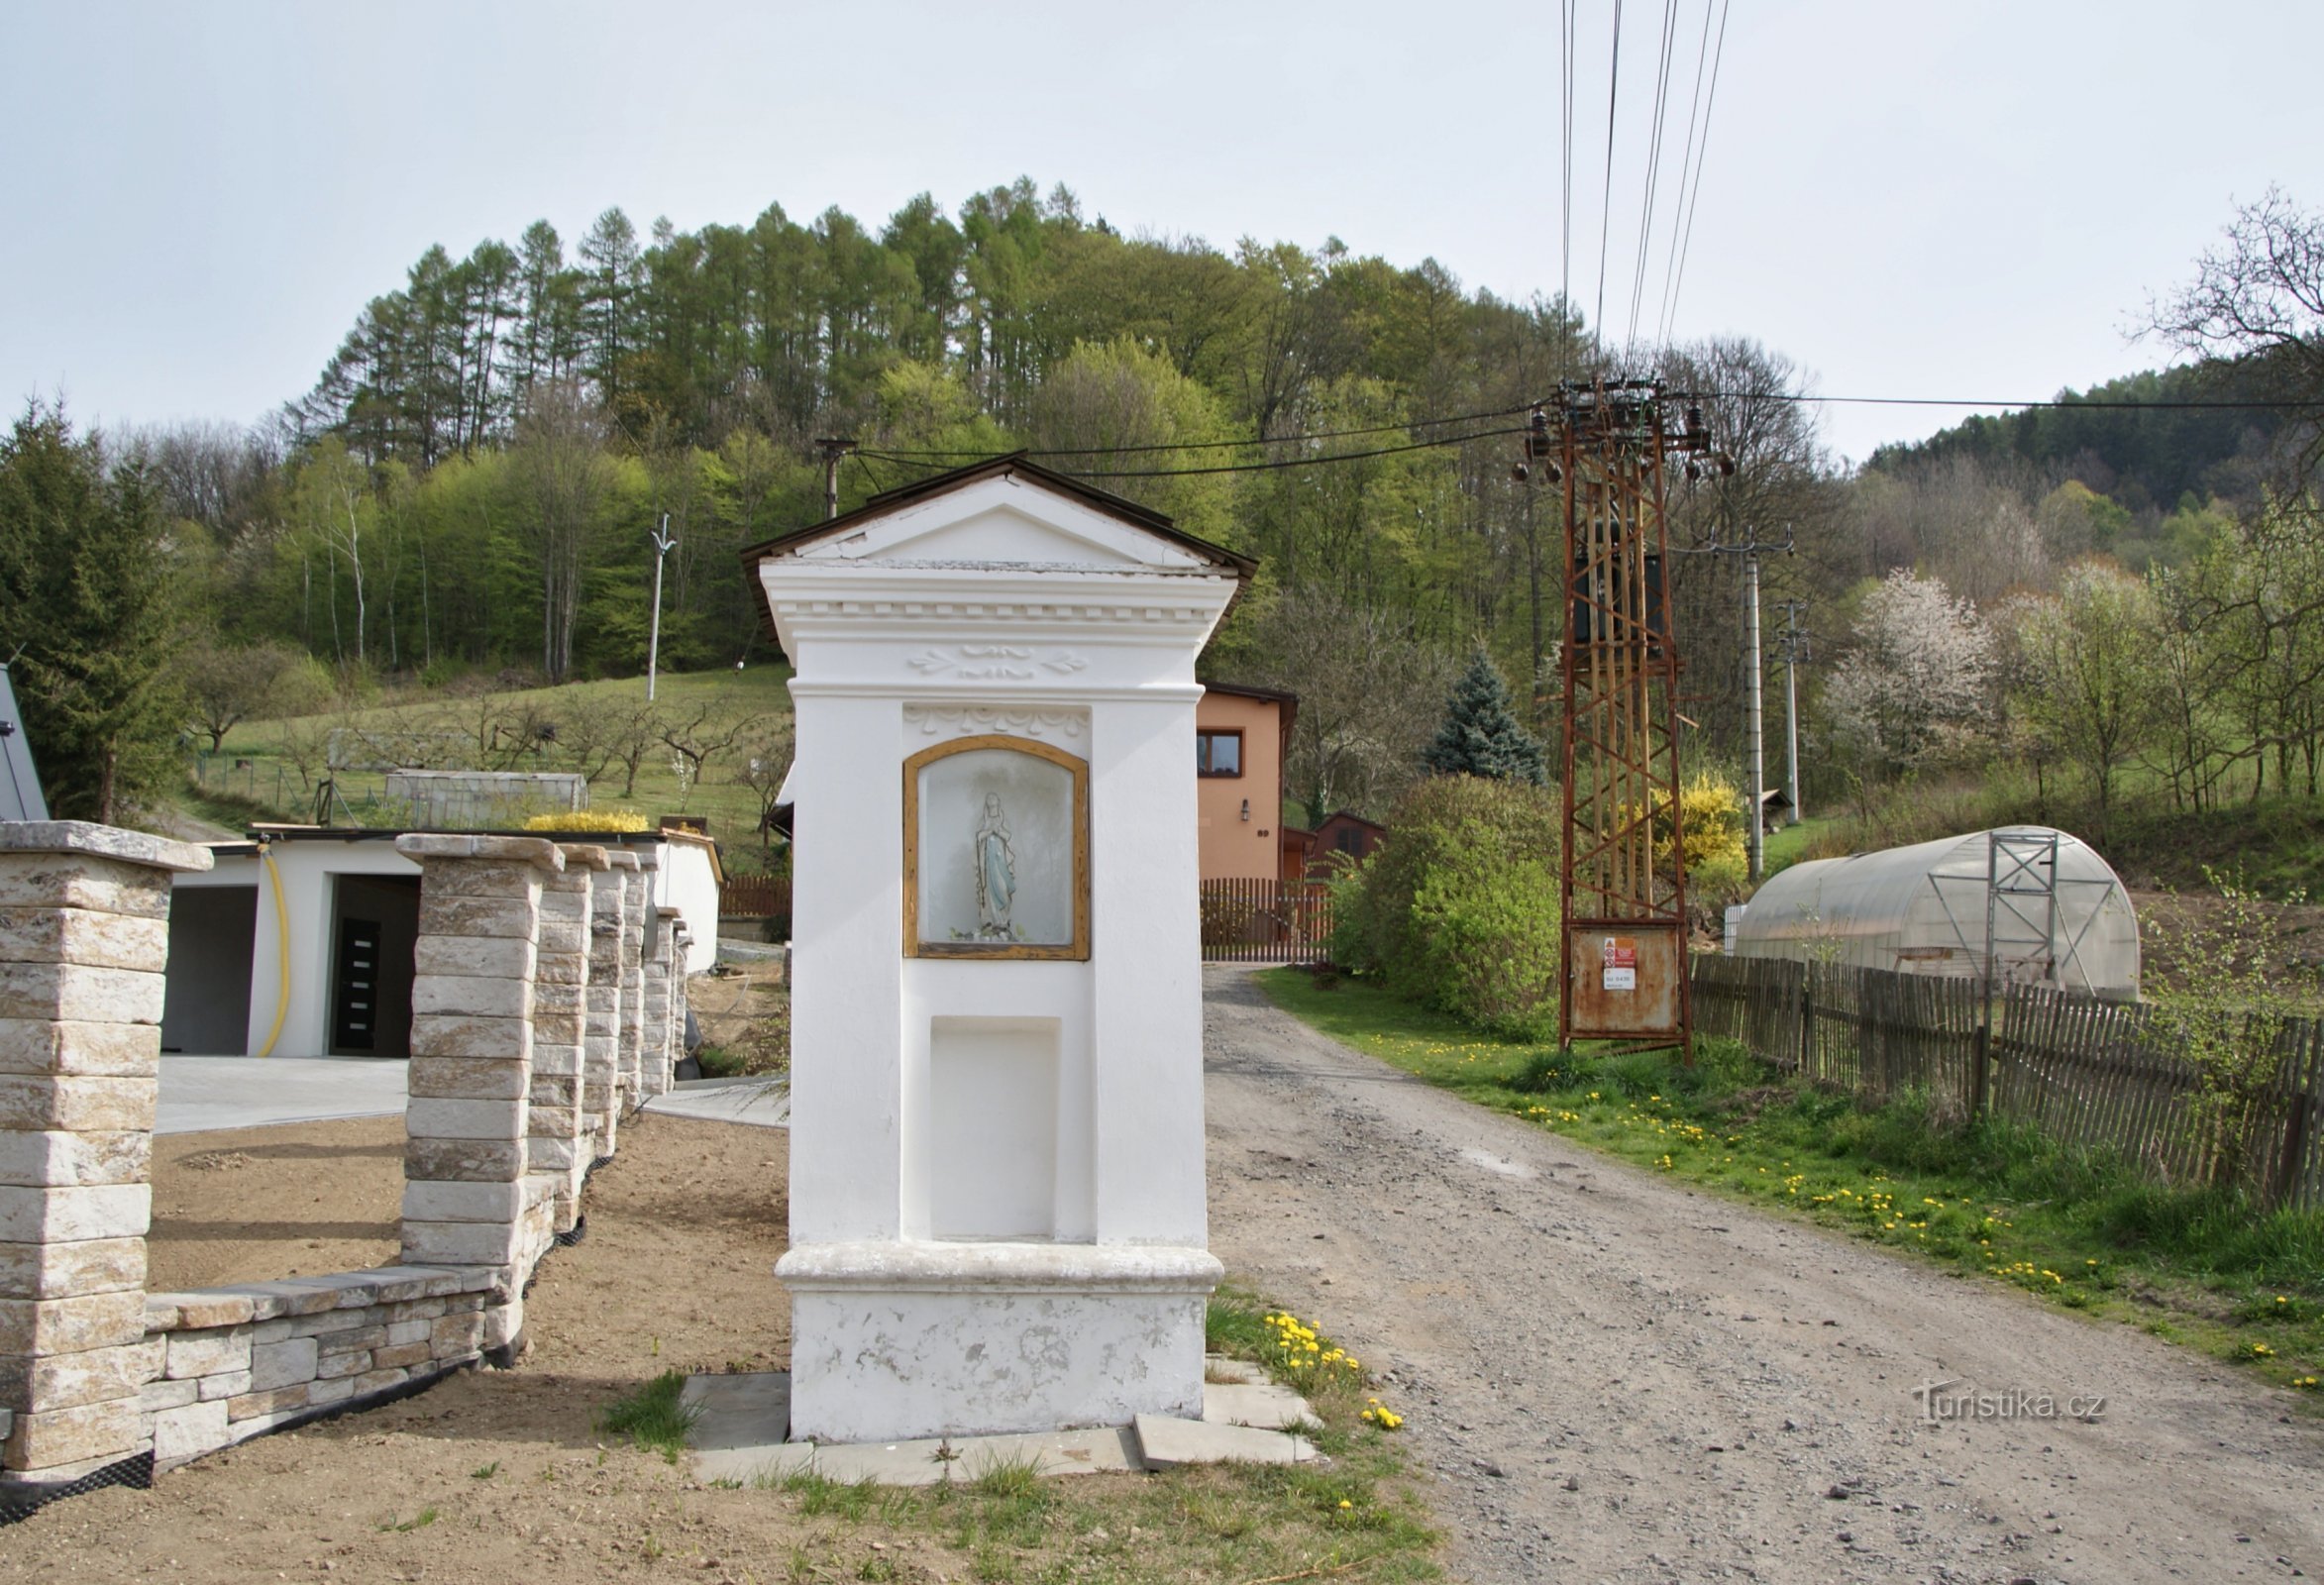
{"points": [[1620, 953]]}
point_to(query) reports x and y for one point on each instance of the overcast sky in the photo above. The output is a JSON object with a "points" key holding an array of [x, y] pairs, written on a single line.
{"points": [[1958, 199]]}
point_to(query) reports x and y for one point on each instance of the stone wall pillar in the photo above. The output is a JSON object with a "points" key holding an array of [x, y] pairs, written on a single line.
{"points": [[602, 1042], [681, 940], [561, 986], [654, 1043], [471, 1049], [639, 891], [84, 939]]}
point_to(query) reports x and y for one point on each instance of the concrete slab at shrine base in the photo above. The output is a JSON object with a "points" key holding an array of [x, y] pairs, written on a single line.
{"points": [[740, 1423]]}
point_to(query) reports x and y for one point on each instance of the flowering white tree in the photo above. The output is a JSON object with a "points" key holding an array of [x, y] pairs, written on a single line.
{"points": [[1913, 689]]}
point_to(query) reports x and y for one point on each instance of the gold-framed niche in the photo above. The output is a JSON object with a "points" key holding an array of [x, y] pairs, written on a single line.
{"points": [[997, 851]]}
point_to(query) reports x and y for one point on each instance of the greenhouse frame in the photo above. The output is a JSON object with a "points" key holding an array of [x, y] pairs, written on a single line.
{"points": [[2023, 905]]}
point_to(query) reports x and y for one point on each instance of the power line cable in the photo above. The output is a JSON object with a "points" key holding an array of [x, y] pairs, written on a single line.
{"points": [[1606, 202], [1269, 465], [1223, 444], [1686, 240], [1685, 169], [1565, 152], [2104, 404], [1638, 281]]}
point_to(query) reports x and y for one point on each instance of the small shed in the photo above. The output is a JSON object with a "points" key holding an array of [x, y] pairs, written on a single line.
{"points": [[2037, 905], [1349, 833]]}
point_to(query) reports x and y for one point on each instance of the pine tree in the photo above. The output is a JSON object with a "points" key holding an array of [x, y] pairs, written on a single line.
{"points": [[1481, 734], [86, 600]]}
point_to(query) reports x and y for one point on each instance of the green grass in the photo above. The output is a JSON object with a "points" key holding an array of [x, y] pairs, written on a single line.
{"points": [[652, 1416], [269, 788], [1357, 1513], [1785, 848], [1997, 1203]]}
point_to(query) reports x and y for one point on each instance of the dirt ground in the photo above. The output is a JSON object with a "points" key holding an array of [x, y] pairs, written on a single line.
{"points": [[1619, 1379], [745, 1009], [2167, 917], [1613, 1378], [251, 1205], [495, 1476]]}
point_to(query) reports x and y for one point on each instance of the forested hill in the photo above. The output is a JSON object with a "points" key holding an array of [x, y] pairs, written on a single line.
{"points": [[467, 494], [787, 328], [510, 421], [2148, 458]]}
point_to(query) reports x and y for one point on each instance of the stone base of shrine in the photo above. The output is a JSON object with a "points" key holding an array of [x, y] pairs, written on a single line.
{"points": [[897, 1340]]}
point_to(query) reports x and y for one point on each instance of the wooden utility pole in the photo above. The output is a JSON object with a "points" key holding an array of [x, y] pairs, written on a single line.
{"points": [[833, 448]]}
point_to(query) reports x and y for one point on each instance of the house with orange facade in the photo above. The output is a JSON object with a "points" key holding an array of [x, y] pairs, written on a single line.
{"points": [[1242, 737]]}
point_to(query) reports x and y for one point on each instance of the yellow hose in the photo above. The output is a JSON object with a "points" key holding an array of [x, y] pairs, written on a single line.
{"points": [[282, 943]]}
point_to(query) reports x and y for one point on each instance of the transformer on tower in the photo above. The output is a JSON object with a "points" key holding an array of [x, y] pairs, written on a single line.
{"points": [[1623, 901]]}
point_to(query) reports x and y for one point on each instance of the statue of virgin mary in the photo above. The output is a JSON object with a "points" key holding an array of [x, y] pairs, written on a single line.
{"points": [[996, 873]]}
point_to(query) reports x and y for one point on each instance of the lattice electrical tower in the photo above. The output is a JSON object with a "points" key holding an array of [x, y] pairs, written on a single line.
{"points": [[1625, 924]]}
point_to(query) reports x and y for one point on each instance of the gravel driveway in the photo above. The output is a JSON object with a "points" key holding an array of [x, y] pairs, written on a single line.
{"points": [[1617, 1378]]}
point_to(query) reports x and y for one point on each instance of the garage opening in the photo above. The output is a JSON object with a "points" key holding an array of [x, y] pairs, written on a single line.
{"points": [[377, 923], [206, 995]]}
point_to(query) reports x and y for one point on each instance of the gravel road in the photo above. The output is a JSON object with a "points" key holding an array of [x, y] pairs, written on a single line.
{"points": [[1616, 1378]]}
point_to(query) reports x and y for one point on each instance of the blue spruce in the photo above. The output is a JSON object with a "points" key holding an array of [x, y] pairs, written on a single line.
{"points": [[1481, 734]]}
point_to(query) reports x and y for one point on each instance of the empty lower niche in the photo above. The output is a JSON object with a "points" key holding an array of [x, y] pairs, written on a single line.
{"points": [[993, 1127]]}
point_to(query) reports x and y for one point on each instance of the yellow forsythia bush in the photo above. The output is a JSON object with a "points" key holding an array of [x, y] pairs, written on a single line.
{"points": [[1714, 815], [587, 820]]}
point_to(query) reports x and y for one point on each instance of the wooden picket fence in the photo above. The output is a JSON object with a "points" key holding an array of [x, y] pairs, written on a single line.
{"points": [[2095, 1074], [755, 896], [1249, 920]]}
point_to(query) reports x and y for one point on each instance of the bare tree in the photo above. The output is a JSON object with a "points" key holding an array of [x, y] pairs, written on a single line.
{"points": [[2258, 302], [696, 737], [227, 685], [765, 761], [566, 478], [598, 735], [2090, 660], [1370, 696]]}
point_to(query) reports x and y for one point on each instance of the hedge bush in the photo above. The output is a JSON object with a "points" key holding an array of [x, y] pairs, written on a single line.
{"points": [[1459, 908]]}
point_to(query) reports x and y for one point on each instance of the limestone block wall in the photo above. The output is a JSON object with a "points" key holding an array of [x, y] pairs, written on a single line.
{"points": [[681, 953], [85, 938], [514, 1094], [601, 1033], [467, 1195], [638, 892], [561, 986], [654, 1074], [229, 1363]]}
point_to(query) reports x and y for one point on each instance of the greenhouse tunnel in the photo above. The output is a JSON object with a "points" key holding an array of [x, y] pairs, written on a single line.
{"points": [[2038, 903]]}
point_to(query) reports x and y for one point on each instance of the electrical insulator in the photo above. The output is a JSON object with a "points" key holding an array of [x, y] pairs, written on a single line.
{"points": [[1537, 434], [1521, 472]]}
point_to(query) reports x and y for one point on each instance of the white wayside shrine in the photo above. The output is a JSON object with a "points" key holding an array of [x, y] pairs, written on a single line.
{"points": [[997, 1186]]}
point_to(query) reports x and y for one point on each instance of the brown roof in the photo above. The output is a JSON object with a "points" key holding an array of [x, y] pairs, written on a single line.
{"points": [[1014, 464], [1289, 700]]}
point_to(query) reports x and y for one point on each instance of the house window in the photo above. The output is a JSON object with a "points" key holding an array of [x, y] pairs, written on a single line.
{"points": [[1350, 840], [1219, 753]]}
